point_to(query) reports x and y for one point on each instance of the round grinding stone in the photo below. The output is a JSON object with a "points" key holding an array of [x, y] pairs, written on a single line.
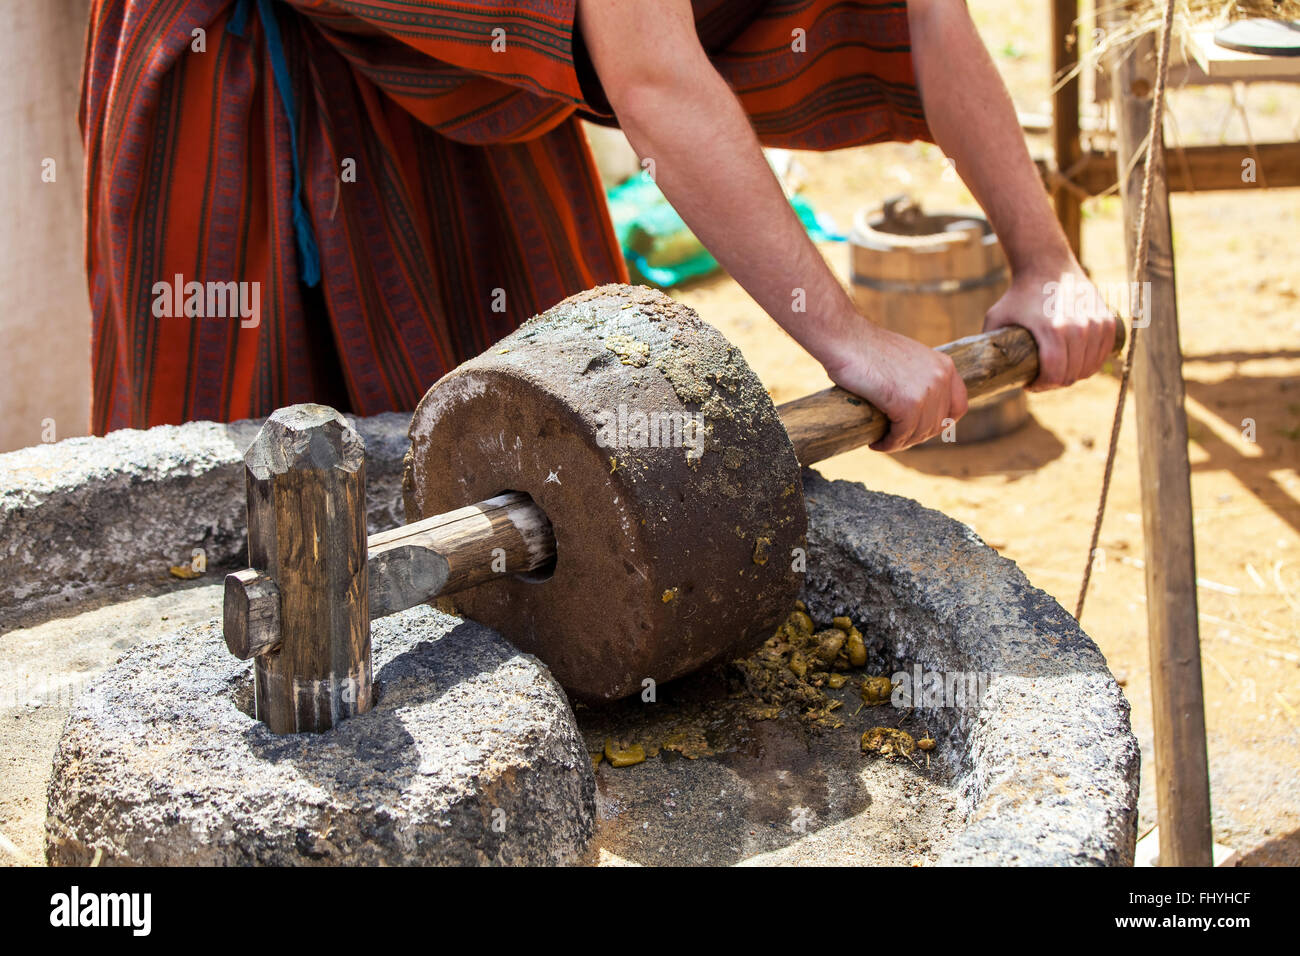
{"points": [[668, 478], [469, 756]]}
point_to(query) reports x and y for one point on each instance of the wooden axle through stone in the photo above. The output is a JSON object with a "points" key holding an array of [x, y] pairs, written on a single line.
{"points": [[648, 581]]}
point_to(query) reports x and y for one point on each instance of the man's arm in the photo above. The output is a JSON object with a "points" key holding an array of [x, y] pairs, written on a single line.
{"points": [[676, 109], [974, 123]]}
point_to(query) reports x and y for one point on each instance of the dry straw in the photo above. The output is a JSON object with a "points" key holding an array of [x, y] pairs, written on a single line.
{"points": [[1143, 16]]}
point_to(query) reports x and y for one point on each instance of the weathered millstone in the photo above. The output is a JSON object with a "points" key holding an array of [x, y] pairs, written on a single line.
{"points": [[667, 477], [1036, 766], [1044, 760], [153, 766], [470, 756], [85, 516]]}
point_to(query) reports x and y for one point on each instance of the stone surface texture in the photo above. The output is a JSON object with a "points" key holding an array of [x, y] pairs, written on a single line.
{"points": [[1045, 761], [87, 515], [470, 756]]}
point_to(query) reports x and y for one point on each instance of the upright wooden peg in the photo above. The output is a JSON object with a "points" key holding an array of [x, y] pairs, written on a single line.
{"points": [[306, 479]]}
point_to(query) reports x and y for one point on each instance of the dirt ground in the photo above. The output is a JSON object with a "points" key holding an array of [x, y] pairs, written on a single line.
{"points": [[1033, 494], [46, 661]]}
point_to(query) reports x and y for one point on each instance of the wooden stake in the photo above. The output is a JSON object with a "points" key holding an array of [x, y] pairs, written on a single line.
{"points": [[306, 480], [1065, 116], [1182, 775]]}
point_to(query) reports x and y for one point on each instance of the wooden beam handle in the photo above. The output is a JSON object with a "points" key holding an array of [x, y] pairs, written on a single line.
{"points": [[833, 420], [409, 565], [509, 534], [451, 552]]}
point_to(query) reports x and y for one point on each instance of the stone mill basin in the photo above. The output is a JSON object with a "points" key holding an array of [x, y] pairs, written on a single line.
{"points": [[473, 754]]}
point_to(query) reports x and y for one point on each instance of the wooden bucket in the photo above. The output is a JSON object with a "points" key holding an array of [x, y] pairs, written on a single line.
{"points": [[932, 277]]}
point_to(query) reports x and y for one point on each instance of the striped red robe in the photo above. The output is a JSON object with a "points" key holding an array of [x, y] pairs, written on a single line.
{"points": [[444, 185]]}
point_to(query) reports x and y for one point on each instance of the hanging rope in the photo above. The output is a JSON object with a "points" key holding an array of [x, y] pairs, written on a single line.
{"points": [[1155, 156]]}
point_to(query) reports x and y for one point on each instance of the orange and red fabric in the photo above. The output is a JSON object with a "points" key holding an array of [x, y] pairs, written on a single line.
{"points": [[445, 181]]}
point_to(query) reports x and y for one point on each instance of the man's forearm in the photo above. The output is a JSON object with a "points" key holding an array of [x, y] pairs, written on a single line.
{"points": [[974, 122], [679, 112], [710, 166]]}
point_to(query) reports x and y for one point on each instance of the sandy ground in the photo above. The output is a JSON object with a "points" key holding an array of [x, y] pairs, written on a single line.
{"points": [[45, 663], [1033, 494]]}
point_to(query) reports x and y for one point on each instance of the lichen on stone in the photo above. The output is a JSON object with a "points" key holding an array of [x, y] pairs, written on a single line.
{"points": [[630, 351]]}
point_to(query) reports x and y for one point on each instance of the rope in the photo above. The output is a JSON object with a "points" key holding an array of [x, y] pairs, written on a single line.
{"points": [[1155, 148]]}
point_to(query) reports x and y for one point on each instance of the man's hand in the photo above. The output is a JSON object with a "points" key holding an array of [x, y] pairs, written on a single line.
{"points": [[916, 387], [1067, 317]]}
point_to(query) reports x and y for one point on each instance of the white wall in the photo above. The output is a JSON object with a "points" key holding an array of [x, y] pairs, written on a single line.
{"points": [[44, 310]]}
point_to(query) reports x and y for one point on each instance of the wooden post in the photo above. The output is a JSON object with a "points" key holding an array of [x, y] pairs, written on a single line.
{"points": [[1065, 116], [1178, 713], [306, 479]]}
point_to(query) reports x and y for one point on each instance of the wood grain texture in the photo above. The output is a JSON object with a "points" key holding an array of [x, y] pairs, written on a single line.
{"points": [[251, 613], [1065, 117], [305, 475], [409, 565], [1204, 168], [832, 421], [450, 552], [1178, 713], [508, 534]]}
